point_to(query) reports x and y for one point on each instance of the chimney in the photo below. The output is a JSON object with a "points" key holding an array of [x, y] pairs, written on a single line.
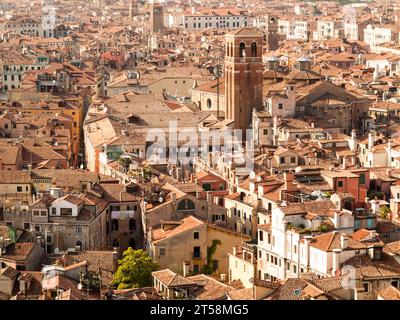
{"points": [[307, 241], [186, 268], [223, 277], [288, 178], [344, 163], [313, 124], [344, 241], [353, 142], [115, 259], [336, 219], [353, 134], [371, 140], [151, 234], [336, 261], [285, 225]]}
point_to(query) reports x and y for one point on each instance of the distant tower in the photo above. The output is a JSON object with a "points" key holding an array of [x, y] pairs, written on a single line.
{"points": [[133, 9], [49, 20], [243, 75], [156, 18], [271, 36]]}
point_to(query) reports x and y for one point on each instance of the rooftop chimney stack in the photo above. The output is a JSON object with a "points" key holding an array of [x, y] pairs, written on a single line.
{"points": [[186, 268], [336, 219], [344, 240], [371, 140], [336, 261]]}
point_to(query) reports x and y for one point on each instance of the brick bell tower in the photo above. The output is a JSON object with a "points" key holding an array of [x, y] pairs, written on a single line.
{"points": [[243, 75]]}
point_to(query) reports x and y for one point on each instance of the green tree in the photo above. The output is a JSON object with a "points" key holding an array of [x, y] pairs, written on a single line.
{"points": [[134, 270], [384, 212]]}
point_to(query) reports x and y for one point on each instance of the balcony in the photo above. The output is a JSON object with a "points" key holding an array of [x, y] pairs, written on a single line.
{"points": [[124, 214]]}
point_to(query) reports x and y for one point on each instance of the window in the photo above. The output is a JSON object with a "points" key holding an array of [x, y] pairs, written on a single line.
{"points": [[19, 189], [295, 269], [340, 183], [280, 106], [196, 252], [54, 211], [362, 178], [265, 131], [206, 186], [293, 160], [132, 224], [27, 225], [195, 268], [66, 211], [196, 235], [78, 229], [186, 204], [282, 160], [261, 235], [78, 243], [366, 286], [114, 225], [162, 251], [49, 239], [242, 50], [254, 49], [209, 103]]}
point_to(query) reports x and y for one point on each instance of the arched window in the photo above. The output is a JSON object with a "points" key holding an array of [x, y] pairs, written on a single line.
{"points": [[209, 103], [78, 244], [254, 49], [242, 50], [186, 204], [132, 224]]}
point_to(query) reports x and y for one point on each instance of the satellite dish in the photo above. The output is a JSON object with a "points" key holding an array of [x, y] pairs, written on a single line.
{"points": [[80, 286], [160, 199], [252, 175]]}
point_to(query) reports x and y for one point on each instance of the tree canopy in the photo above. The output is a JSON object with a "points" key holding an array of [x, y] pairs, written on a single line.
{"points": [[134, 270]]}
